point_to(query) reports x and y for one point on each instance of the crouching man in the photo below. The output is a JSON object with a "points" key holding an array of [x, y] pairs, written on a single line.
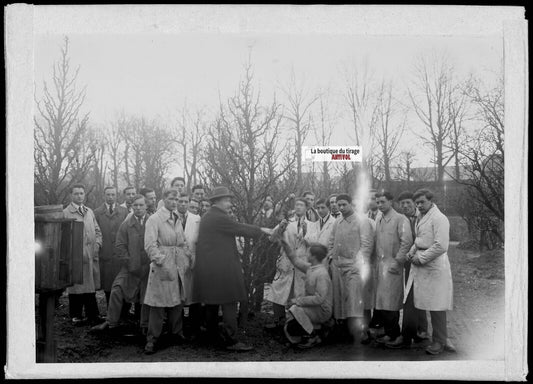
{"points": [[310, 312], [164, 242], [130, 283]]}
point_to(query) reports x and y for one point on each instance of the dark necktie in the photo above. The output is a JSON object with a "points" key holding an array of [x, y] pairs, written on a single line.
{"points": [[111, 209], [323, 221], [82, 210], [184, 221]]}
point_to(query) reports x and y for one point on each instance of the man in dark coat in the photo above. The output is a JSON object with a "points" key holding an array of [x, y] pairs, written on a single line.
{"points": [[109, 217], [130, 283], [218, 277]]}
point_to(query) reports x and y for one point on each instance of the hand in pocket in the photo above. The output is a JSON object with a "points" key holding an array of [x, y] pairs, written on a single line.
{"points": [[395, 268]]}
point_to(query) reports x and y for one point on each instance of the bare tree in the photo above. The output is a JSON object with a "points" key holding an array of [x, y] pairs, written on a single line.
{"points": [[299, 102], [243, 154], [358, 80], [483, 160], [405, 165], [389, 129], [59, 133], [323, 132], [115, 145], [436, 99], [189, 137], [97, 144], [360, 98]]}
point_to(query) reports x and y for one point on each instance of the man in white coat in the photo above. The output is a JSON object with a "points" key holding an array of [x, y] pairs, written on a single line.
{"points": [[289, 282], [165, 244], [375, 320], [191, 224], [393, 241], [350, 247], [430, 283], [320, 230], [84, 295]]}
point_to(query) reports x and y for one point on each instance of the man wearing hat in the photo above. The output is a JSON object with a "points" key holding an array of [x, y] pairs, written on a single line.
{"points": [[218, 277]]}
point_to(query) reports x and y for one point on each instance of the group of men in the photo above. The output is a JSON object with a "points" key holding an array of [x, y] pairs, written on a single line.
{"points": [[378, 263], [337, 268]]}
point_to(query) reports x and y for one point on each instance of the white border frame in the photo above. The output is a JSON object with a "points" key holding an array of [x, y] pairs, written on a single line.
{"points": [[22, 22]]}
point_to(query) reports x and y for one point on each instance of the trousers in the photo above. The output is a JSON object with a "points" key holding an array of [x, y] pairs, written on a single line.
{"points": [[87, 301], [229, 319], [391, 323], [414, 319], [196, 317], [377, 319], [438, 321], [118, 307], [279, 312], [155, 321]]}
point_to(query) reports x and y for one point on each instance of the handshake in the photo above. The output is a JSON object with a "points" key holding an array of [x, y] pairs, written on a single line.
{"points": [[277, 234]]}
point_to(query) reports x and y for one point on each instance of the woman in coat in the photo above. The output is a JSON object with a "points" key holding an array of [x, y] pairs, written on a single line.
{"points": [[430, 279], [217, 276], [164, 242]]}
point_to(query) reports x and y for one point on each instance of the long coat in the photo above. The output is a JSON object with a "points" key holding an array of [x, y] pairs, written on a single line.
{"points": [[432, 281], [217, 275], [290, 281], [370, 291], [192, 226], [393, 241], [129, 246], [164, 242], [350, 247], [318, 235], [110, 265], [92, 239]]}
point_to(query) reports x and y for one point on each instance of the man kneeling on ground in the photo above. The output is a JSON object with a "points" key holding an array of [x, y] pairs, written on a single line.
{"points": [[310, 312]]}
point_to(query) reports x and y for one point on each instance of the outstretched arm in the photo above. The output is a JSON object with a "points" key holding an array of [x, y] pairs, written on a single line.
{"points": [[301, 265]]}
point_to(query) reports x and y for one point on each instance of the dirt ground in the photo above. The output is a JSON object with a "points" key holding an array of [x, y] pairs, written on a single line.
{"points": [[475, 327]]}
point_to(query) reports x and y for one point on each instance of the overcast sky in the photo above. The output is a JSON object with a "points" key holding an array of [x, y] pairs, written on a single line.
{"points": [[153, 74]]}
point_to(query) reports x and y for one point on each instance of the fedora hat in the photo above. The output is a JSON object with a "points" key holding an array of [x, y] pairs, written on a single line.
{"points": [[219, 192]]}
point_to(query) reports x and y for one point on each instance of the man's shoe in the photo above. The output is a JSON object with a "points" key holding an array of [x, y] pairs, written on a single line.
{"points": [[310, 342], [398, 343], [376, 333], [383, 339], [422, 335], [149, 348], [366, 338], [435, 348], [78, 321], [100, 327], [239, 347], [274, 325], [179, 339], [449, 346]]}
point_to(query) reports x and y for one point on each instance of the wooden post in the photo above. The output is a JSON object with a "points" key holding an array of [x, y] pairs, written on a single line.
{"points": [[46, 344]]}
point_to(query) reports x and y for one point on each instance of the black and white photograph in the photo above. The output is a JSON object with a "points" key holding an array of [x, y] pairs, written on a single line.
{"points": [[216, 184]]}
